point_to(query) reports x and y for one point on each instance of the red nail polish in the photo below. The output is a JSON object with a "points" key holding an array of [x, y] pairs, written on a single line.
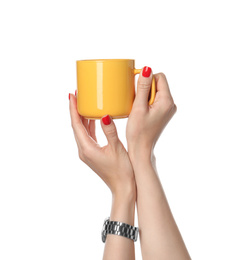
{"points": [[75, 92], [106, 120], [69, 96], [146, 72]]}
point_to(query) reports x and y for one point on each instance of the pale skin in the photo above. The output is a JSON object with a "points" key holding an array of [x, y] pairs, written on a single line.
{"points": [[132, 176], [113, 165]]}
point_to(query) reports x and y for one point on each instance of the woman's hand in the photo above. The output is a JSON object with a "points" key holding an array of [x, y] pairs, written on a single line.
{"points": [[110, 162], [144, 127], [145, 123]]}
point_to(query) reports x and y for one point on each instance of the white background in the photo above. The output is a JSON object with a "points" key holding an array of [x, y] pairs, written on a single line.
{"points": [[52, 206]]}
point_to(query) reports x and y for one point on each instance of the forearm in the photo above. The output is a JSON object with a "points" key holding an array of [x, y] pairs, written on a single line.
{"points": [[159, 234], [123, 210]]}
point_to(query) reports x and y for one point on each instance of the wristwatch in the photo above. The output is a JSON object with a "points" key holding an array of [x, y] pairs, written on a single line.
{"points": [[120, 229]]}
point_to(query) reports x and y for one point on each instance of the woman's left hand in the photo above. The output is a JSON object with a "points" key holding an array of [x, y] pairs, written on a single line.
{"points": [[110, 162]]}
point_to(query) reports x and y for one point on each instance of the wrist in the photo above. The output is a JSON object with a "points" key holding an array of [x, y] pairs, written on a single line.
{"points": [[141, 154], [123, 206], [125, 192]]}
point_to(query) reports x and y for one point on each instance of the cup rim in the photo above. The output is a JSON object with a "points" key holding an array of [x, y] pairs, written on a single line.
{"points": [[102, 60]]}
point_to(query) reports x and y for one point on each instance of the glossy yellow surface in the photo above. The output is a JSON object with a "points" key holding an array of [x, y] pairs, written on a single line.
{"points": [[107, 87]]}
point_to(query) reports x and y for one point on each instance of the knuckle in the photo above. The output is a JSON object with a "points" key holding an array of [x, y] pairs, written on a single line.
{"points": [[73, 124], [144, 85], [111, 133], [139, 110], [162, 75], [168, 105], [175, 108], [85, 154], [81, 155]]}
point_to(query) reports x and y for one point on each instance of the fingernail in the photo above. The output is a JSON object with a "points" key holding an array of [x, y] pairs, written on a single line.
{"points": [[69, 96], [146, 71], [106, 120], [75, 92]]}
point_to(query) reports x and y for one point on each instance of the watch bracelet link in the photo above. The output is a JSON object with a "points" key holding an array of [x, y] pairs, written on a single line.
{"points": [[120, 229]]}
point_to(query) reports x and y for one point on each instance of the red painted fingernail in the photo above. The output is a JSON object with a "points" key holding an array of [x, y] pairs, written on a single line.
{"points": [[75, 92], [146, 72], [106, 120], [69, 96]]}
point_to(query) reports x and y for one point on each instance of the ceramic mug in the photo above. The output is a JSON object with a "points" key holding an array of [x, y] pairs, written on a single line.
{"points": [[107, 87]]}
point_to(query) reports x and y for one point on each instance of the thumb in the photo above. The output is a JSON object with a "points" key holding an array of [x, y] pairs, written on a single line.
{"points": [[143, 87], [109, 129]]}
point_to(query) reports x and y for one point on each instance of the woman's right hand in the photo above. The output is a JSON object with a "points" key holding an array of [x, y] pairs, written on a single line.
{"points": [[145, 123], [144, 127]]}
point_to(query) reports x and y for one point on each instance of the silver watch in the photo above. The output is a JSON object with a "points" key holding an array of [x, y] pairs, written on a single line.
{"points": [[120, 229]]}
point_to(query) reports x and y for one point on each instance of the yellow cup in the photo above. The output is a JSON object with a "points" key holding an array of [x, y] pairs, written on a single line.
{"points": [[107, 86]]}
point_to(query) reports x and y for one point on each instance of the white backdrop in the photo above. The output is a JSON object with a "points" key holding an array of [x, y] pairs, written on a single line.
{"points": [[52, 206]]}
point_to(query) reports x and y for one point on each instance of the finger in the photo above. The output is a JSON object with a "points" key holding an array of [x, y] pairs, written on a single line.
{"points": [[109, 129], [85, 123], [77, 141], [162, 86], [143, 87], [84, 120], [163, 100], [78, 128], [92, 129]]}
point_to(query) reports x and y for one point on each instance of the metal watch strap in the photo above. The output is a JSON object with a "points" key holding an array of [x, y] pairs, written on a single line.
{"points": [[120, 229]]}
